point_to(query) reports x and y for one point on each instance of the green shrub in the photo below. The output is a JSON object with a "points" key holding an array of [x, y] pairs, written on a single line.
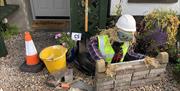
{"points": [[176, 72], [158, 33], [10, 31], [65, 40]]}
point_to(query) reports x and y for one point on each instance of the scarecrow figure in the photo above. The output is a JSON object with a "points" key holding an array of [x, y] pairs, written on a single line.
{"points": [[117, 44]]}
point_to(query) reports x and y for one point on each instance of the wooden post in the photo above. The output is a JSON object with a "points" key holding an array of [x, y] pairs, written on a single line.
{"points": [[86, 15]]}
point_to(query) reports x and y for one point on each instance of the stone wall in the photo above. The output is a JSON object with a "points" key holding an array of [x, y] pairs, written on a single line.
{"points": [[21, 18], [131, 74]]}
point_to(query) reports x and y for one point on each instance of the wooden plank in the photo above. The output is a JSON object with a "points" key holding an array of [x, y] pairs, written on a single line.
{"points": [[50, 24]]}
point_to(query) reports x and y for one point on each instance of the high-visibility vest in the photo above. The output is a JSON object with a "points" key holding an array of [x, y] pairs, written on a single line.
{"points": [[105, 48], [125, 48]]}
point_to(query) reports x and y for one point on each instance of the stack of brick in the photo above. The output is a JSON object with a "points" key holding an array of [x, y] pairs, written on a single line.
{"points": [[132, 74]]}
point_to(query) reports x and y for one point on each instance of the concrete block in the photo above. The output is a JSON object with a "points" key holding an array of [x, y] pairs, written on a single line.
{"points": [[146, 81], [108, 86], [120, 84], [140, 67], [68, 75], [121, 88], [156, 75], [108, 90], [159, 70], [141, 73], [110, 82], [123, 80], [125, 71], [100, 66], [163, 57], [139, 77], [100, 80], [105, 88], [101, 75], [127, 65], [162, 65], [125, 76], [153, 79], [101, 89], [138, 83]]}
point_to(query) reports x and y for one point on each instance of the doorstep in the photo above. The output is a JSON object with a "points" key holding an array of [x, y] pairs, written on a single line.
{"points": [[51, 24]]}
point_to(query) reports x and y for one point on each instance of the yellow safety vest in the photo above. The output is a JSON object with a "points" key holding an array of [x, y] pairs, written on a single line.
{"points": [[125, 48], [105, 48]]}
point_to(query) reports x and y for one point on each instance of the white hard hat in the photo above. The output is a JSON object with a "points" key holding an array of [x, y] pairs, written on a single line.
{"points": [[126, 23]]}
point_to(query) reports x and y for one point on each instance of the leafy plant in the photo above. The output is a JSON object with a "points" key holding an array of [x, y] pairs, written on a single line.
{"points": [[6, 30], [113, 19], [65, 40], [10, 31], [158, 32], [176, 72], [178, 35], [166, 20]]}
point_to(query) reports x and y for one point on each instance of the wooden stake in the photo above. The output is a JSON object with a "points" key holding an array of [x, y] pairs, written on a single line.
{"points": [[86, 15]]}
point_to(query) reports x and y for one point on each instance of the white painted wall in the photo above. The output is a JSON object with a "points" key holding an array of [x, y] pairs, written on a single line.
{"points": [[141, 8]]}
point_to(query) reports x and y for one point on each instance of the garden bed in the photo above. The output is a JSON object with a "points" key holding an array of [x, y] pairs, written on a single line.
{"points": [[12, 79], [131, 74]]}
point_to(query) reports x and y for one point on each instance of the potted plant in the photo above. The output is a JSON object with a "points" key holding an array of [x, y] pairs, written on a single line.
{"points": [[158, 33], [65, 40]]}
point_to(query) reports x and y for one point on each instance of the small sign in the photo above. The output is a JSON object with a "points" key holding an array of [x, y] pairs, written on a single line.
{"points": [[76, 36]]}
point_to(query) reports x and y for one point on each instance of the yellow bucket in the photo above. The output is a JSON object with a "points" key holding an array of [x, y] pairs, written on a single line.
{"points": [[54, 57]]}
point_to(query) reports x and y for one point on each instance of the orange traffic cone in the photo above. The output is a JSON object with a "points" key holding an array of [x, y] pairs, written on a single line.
{"points": [[32, 63]]}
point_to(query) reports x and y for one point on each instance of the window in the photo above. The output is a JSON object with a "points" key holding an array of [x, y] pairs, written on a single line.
{"points": [[152, 1]]}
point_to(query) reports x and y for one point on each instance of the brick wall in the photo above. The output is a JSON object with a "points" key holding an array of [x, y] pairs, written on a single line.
{"points": [[132, 74]]}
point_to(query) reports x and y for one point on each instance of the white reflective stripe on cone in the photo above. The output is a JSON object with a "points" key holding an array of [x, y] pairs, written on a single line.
{"points": [[30, 48]]}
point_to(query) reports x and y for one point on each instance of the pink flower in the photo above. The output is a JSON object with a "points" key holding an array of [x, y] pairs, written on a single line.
{"points": [[58, 35]]}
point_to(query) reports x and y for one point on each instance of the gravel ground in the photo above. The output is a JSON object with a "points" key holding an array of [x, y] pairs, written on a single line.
{"points": [[12, 79]]}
